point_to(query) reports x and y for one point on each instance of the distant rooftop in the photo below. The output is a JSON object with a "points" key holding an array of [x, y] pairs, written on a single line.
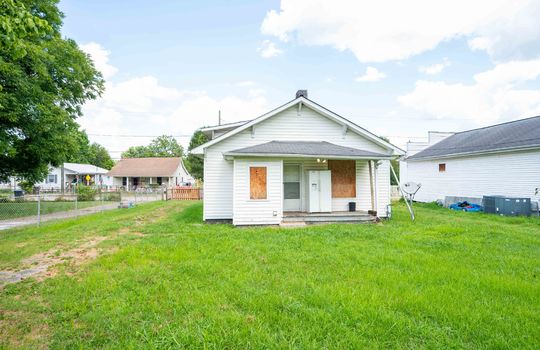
{"points": [[524, 133], [146, 167], [84, 169]]}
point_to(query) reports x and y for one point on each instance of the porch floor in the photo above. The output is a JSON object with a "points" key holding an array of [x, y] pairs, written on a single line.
{"points": [[335, 216]]}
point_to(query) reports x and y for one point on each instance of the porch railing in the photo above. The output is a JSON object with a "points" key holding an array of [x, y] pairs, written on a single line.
{"points": [[184, 193]]}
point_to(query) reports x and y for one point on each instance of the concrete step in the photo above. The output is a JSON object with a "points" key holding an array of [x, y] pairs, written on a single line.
{"points": [[329, 218]]}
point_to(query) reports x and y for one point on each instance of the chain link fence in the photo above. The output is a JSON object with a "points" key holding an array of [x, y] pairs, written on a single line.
{"points": [[18, 209]]}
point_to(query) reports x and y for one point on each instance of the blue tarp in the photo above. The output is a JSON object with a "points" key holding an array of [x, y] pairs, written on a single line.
{"points": [[465, 206]]}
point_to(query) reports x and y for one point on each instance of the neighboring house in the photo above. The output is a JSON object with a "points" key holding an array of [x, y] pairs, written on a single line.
{"points": [[74, 173], [299, 157], [133, 173], [502, 159]]}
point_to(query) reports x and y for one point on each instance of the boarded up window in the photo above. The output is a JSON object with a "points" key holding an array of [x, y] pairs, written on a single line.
{"points": [[343, 178], [442, 167], [257, 182]]}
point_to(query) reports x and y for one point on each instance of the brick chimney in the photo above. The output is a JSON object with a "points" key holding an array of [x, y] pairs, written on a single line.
{"points": [[302, 93]]}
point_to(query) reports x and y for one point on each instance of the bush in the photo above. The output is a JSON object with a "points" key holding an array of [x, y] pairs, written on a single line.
{"points": [[86, 193], [111, 196]]}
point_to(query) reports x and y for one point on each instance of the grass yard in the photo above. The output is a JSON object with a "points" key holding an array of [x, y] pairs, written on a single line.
{"points": [[165, 280], [10, 210]]}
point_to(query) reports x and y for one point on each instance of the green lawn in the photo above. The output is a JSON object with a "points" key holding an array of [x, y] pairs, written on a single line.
{"points": [[12, 210], [448, 280]]}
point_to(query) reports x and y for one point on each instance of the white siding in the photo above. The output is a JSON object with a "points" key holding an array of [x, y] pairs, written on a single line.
{"points": [[383, 187], [508, 174], [286, 126], [257, 211]]}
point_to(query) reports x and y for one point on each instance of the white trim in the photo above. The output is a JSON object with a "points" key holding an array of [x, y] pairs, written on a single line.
{"points": [[229, 156], [323, 111]]}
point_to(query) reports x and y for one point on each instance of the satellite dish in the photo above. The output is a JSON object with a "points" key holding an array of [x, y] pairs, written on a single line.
{"points": [[411, 188]]}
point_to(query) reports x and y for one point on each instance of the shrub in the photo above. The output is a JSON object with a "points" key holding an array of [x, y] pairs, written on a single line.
{"points": [[86, 193], [111, 196]]}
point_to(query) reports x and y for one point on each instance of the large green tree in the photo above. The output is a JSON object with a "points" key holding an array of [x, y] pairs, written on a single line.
{"points": [[162, 146], [195, 164], [44, 81]]}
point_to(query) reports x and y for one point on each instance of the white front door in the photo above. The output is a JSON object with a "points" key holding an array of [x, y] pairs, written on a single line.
{"points": [[291, 187], [320, 191]]}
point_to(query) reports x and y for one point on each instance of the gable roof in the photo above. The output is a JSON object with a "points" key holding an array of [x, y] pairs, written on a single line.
{"points": [[519, 134], [146, 167], [309, 103], [305, 149], [79, 168]]}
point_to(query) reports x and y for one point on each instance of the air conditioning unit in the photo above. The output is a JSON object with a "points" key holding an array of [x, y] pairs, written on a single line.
{"points": [[507, 206]]}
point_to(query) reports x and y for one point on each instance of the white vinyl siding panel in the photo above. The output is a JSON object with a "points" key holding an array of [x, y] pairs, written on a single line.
{"points": [[285, 126], [514, 174], [249, 211]]}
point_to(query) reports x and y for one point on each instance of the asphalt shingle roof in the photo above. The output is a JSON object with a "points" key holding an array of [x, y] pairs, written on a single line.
{"points": [[306, 148], [146, 167], [512, 135]]}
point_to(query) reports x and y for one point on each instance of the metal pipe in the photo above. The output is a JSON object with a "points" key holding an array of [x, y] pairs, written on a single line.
{"points": [[409, 206]]}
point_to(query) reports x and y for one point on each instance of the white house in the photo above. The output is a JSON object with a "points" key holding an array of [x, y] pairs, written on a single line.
{"points": [[74, 173], [502, 159], [294, 161], [133, 173]]}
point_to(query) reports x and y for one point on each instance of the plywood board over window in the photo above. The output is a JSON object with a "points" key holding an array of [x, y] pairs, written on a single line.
{"points": [[257, 182], [343, 178]]}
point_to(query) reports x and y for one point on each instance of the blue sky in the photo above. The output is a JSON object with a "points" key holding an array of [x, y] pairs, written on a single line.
{"points": [[170, 65]]}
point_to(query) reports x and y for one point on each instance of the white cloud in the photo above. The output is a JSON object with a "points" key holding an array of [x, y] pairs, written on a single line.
{"points": [[245, 83], [143, 106], [372, 74], [269, 49], [378, 31], [435, 68], [100, 56], [495, 95]]}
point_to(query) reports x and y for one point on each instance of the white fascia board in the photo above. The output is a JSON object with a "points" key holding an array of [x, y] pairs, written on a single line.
{"points": [[229, 156]]}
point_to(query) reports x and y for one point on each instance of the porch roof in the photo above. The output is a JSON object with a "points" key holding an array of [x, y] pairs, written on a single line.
{"points": [[305, 149]]}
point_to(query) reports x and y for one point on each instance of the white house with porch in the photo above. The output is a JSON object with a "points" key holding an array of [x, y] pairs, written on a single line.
{"points": [[298, 162], [136, 173], [70, 174]]}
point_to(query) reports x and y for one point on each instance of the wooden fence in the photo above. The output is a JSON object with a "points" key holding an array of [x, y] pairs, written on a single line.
{"points": [[184, 193]]}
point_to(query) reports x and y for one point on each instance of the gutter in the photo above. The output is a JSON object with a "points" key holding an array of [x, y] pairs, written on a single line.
{"points": [[230, 155]]}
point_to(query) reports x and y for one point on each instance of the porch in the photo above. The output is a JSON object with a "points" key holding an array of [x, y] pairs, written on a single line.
{"points": [[308, 182]]}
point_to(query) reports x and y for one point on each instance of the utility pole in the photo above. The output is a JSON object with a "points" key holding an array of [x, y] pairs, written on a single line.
{"points": [[219, 117]]}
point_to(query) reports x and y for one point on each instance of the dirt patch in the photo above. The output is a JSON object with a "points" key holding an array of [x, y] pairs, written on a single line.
{"points": [[39, 265]]}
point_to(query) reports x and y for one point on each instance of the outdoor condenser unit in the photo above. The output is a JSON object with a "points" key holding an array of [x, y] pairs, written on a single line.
{"points": [[507, 206]]}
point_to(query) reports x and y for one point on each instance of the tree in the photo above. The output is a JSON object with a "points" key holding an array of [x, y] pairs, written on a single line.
{"points": [[100, 157], [44, 81], [89, 153], [162, 146], [194, 164]]}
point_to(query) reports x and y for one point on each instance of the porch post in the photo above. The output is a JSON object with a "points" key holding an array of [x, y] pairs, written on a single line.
{"points": [[371, 186]]}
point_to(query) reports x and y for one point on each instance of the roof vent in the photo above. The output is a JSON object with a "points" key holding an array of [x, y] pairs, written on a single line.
{"points": [[302, 93]]}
